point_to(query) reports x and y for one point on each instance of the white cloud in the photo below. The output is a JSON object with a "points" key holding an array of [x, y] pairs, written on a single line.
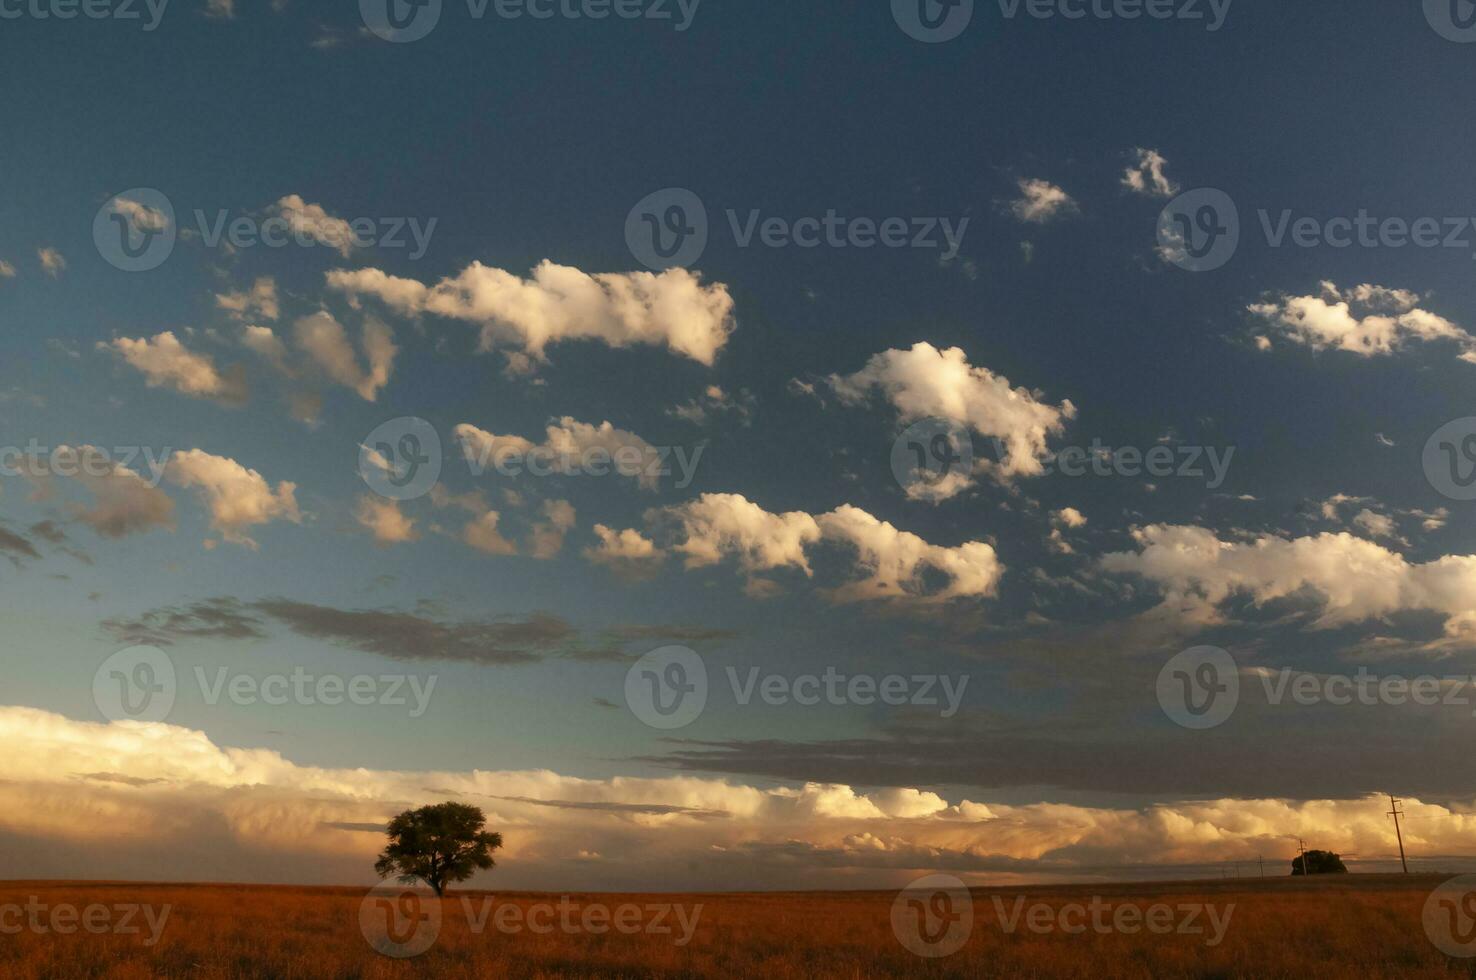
{"points": [[1040, 201], [892, 564], [546, 539], [53, 263], [238, 498], [1146, 176], [167, 363], [123, 501], [896, 562], [560, 303], [626, 552], [259, 301], [724, 525], [142, 219], [262, 341], [1069, 517], [481, 533], [1371, 321], [326, 342], [174, 799], [1357, 580], [7, 271], [715, 401], [385, 520], [311, 222], [570, 447], [925, 382], [1377, 525]]}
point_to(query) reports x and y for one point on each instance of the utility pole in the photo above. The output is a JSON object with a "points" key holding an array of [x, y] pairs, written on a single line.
{"points": [[1302, 847], [1262, 862], [1396, 813]]}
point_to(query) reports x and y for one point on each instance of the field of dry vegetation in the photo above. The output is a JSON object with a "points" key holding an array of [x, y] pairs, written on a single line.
{"points": [[1353, 926]]}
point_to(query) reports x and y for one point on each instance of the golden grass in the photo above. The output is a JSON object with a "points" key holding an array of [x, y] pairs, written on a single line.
{"points": [[1355, 926]]}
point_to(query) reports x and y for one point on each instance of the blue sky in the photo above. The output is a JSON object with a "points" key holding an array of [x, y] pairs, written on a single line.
{"points": [[519, 142]]}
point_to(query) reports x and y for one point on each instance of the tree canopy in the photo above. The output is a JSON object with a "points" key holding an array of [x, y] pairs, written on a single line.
{"points": [[438, 844]]}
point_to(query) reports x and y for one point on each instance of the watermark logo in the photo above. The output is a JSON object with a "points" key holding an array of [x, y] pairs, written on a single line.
{"points": [[1450, 917], [400, 21], [1199, 230], [135, 231], [135, 684], [933, 21], [934, 916], [667, 688], [401, 459], [1199, 688], [1450, 459], [1454, 20], [400, 922], [933, 458], [667, 229]]}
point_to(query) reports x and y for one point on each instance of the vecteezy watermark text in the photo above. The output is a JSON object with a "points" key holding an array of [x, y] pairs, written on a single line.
{"points": [[149, 12], [670, 228], [1201, 230], [98, 919], [404, 923], [140, 683], [402, 21], [137, 229], [1105, 918], [668, 688], [38, 461], [936, 21]]}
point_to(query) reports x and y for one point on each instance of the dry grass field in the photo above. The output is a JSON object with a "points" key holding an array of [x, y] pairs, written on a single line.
{"points": [[1354, 926]]}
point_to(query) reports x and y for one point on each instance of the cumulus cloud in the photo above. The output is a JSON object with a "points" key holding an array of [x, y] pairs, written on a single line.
{"points": [[1069, 517], [718, 526], [237, 498], [123, 501], [258, 301], [1146, 175], [326, 342], [896, 562], [569, 447], [174, 798], [1370, 321], [263, 341], [546, 539], [559, 303], [627, 552], [482, 533], [166, 363], [53, 263], [142, 219], [385, 520], [1040, 201], [716, 402], [893, 565], [925, 382], [311, 222], [1355, 580]]}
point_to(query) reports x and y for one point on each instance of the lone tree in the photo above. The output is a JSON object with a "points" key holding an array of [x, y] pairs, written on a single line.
{"points": [[1320, 863], [438, 844]]}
